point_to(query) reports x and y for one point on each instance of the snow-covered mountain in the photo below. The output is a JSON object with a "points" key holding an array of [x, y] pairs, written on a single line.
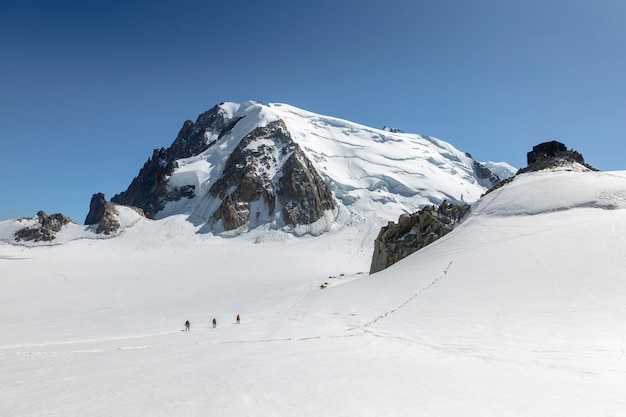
{"points": [[519, 311], [266, 168], [243, 166]]}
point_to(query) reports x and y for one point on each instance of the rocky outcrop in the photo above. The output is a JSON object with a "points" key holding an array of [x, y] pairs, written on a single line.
{"points": [[96, 209], [267, 171], [46, 229], [149, 191], [104, 214], [484, 175], [499, 185], [393, 129], [396, 241], [303, 194]]}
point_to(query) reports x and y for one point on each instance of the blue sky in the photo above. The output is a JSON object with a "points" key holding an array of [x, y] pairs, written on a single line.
{"points": [[88, 89]]}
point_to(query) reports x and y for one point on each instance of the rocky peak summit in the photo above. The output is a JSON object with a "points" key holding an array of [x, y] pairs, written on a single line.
{"points": [[149, 190]]}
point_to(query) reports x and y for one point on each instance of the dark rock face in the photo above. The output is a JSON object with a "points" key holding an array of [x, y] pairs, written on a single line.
{"points": [[149, 190], [396, 241], [96, 208], [484, 175], [302, 192], [47, 229], [104, 214], [276, 170]]}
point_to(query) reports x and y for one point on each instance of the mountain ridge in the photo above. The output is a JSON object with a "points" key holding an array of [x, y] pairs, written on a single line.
{"points": [[242, 166], [336, 151]]}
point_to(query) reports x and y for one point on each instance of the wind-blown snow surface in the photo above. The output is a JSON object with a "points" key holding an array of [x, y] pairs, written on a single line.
{"points": [[519, 311]]}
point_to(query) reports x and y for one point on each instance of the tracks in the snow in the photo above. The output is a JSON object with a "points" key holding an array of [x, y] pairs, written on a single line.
{"points": [[19, 350], [165, 345], [408, 300]]}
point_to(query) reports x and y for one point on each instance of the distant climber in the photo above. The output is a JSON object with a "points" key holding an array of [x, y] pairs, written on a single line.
{"points": [[187, 325], [238, 319], [214, 323]]}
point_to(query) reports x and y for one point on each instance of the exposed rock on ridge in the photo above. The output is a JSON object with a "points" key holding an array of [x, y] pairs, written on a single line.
{"points": [[268, 170], [484, 174], [149, 190], [396, 241], [46, 230], [104, 214]]}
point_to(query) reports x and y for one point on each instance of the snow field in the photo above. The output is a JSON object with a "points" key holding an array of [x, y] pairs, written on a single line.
{"points": [[514, 313]]}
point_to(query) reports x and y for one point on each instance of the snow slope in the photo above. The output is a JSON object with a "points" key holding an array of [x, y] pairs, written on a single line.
{"points": [[518, 312]]}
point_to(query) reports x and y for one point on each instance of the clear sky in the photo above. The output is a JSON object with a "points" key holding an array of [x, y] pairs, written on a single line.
{"points": [[89, 88]]}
